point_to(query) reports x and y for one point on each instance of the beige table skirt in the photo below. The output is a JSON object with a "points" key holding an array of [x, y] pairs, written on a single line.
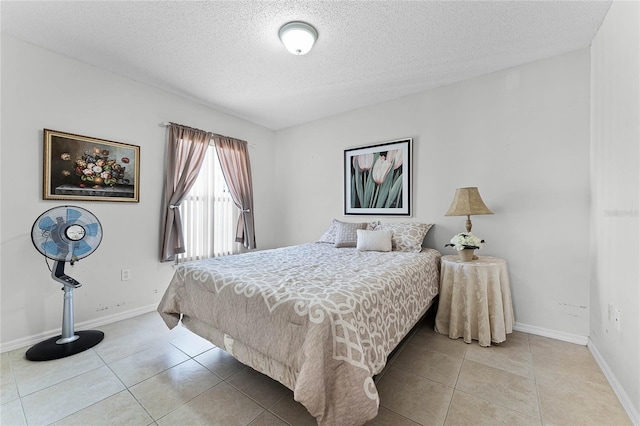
{"points": [[475, 300]]}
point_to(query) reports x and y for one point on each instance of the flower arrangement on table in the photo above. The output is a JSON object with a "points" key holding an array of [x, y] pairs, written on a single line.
{"points": [[96, 168], [465, 241]]}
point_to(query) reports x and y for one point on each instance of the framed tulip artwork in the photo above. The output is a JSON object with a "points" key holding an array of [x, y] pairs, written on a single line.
{"points": [[89, 169], [377, 179]]}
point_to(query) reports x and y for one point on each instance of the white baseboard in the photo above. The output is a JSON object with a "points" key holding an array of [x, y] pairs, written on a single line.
{"points": [[553, 334], [628, 406], [36, 338]]}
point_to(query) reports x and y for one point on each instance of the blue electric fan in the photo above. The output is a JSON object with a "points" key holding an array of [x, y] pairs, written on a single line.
{"points": [[66, 234]]}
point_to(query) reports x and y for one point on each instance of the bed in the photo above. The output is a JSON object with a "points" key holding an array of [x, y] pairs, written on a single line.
{"points": [[319, 319]]}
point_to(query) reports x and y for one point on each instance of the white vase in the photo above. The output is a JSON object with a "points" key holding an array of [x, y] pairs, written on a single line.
{"points": [[466, 255]]}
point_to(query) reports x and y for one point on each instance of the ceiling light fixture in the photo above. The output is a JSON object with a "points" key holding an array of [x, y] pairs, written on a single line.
{"points": [[298, 37]]}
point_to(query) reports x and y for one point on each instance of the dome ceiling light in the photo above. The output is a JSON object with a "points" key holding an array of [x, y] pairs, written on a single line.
{"points": [[298, 37]]}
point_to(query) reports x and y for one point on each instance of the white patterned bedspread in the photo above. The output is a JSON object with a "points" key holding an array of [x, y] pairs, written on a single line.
{"points": [[328, 316]]}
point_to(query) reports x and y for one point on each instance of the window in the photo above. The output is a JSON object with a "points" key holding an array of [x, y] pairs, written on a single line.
{"points": [[209, 216]]}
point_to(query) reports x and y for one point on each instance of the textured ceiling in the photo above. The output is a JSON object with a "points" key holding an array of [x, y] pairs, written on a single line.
{"points": [[228, 55]]}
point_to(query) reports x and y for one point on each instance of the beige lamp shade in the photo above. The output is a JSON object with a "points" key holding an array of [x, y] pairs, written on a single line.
{"points": [[467, 202]]}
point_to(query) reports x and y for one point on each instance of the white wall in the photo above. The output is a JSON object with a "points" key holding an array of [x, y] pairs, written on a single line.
{"points": [[520, 135], [615, 199], [41, 89]]}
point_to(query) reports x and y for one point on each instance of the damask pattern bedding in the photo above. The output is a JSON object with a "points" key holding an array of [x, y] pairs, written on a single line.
{"points": [[319, 319]]}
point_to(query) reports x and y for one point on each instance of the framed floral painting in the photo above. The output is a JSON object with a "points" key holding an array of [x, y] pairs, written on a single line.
{"points": [[89, 169], [377, 179]]}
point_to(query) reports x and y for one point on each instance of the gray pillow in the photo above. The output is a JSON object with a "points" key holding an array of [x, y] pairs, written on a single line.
{"points": [[347, 233], [329, 235]]}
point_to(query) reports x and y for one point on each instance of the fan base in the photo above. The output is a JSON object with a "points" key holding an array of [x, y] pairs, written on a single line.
{"points": [[49, 349]]}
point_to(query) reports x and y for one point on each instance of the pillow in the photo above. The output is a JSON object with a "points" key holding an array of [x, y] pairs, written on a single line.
{"points": [[374, 240], [329, 235], [407, 236], [346, 233]]}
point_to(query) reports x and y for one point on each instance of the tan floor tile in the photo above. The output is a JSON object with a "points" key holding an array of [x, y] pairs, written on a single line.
{"points": [[8, 386], [117, 410], [32, 376], [387, 417], [116, 347], [268, 419], [170, 389], [192, 344], [468, 410], [430, 339], [569, 399], [582, 364], [220, 362], [555, 348], [416, 398], [513, 355], [500, 387], [142, 365], [11, 414], [59, 401], [142, 327], [292, 411], [221, 405], [8, 389], [429, 364], [262, 389]]}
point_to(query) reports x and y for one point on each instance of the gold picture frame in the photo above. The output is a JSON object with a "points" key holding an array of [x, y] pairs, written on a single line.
{"points": [[85, 168]]}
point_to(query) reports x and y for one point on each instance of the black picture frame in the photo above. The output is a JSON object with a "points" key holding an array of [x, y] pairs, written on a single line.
{"points": [[377, 179]]}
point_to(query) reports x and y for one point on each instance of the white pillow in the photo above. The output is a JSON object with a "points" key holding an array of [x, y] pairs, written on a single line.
{"points": [[374, 240]]}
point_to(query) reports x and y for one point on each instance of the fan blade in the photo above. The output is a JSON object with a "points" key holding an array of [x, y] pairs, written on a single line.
{"points": [[91, 229], [72, 216], [80, 248], [46, 224], [52, 248]]}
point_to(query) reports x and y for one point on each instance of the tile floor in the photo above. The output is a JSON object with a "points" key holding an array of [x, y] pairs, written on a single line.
{"points": [[144, 374]]}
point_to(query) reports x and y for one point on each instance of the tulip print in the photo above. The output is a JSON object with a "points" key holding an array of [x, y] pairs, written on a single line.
{"points": [[380, 169], [365, 161], [377, 179]]}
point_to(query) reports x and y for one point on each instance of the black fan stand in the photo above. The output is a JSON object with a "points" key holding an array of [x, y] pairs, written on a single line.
{"points": [[69, 342]]}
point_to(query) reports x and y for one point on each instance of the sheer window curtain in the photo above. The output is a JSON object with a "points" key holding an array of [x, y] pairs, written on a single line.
{"points": [[208, 214], [234, 161], [186, 151]]}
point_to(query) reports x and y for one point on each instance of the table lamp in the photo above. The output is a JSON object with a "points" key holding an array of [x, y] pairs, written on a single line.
{"points": [[466, 202]]}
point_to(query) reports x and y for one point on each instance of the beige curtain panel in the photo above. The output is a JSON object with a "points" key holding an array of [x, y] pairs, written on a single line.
{"points": [[234, 162], [185, 154]]}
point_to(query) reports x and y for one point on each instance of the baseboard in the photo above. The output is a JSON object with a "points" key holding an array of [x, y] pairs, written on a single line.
{"points": [[623, 397], [553, 334], [36, 338]]}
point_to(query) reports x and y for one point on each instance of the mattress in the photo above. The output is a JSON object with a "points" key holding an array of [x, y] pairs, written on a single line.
{"points": [[321, 320]]}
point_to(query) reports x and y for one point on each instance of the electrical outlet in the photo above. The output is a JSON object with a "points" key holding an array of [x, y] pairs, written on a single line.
{"points": [[617, 319], [125, 275]]}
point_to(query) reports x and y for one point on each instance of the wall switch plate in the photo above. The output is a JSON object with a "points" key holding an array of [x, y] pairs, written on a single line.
{"points": [[125, 275], [616, 319]]}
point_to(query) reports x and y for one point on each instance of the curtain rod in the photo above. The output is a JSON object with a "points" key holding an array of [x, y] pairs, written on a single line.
{"points": [[167, 124]]}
